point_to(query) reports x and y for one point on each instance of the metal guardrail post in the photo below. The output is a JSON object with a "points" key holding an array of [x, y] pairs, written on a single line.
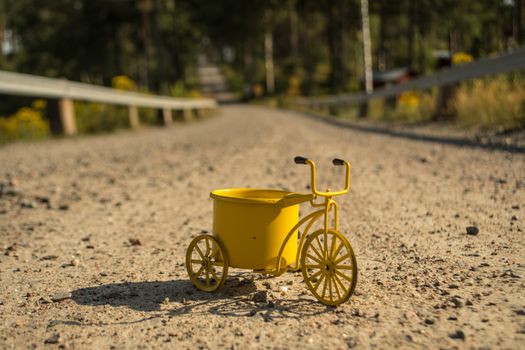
{"points": [[167, 116], [187, 114], [134, 121], [67, 116]]}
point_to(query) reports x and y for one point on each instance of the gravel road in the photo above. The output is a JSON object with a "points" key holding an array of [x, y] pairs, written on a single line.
{"points": [[93, 233]]}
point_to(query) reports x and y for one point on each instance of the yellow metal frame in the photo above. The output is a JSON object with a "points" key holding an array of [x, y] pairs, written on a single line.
{"points": [[326, 267], [314, 216]]}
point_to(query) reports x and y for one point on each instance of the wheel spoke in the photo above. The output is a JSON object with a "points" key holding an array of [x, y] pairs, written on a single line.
{"points": [[325, 252], [214, 275], [332, 246], [199, 251], [308, 255], [199, 272], [315, 274], [318, 266], [340, 283], [344, 267], [319, 282], [207, 246], [336, 287], [348, 278], [338, 249], [330, 288], [325, 284], [217, 263], [319, 244], [207, 277], [341, 259], [321, 258], [196, 261]]}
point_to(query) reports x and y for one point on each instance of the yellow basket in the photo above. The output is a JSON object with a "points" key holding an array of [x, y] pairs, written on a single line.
{"points": [[252, 225]]}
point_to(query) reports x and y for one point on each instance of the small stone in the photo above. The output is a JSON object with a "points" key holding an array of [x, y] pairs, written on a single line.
{"points": [[44, 300], [54, 339], [516, 207], [63, 207], [453, 286], [514, 218], [61, 296], [42, 199], [457, 335], [135, 241], [260, 297], [472, 230], [49, 257], [271, 304], [25, 204], [456, 302], [252, 312], [468, 302], [356, 312], [75, 262], [520, 312], [429, 321]]}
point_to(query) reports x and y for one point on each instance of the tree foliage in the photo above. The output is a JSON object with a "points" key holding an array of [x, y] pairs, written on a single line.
{"points": [[318, 43]]}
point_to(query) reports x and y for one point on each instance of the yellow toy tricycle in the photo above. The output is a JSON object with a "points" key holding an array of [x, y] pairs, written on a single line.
{"points": [[259, 229]]}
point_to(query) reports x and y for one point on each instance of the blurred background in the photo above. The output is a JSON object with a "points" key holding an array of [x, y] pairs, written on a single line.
{"points": [[269, 52]]}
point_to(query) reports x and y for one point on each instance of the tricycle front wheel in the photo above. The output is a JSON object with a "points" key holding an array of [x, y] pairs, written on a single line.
{"points": [[329, 267], [206, 263]]}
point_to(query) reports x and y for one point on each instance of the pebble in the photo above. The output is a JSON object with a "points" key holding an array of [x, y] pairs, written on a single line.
{"points": [[61, 296], [135, 241], [54, 339], [457, 335], [429, 321], [472, 230], [49, 257], [26, 204], [260, 297], [63, 207], [514, 218], [75, 262]]}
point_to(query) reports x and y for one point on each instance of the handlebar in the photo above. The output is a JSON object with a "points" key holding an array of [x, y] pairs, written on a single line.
{"points": [[336, 162], [300, 160]]}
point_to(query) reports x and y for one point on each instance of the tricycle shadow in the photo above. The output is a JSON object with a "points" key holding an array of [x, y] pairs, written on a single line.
{"points": [[235, 298]]}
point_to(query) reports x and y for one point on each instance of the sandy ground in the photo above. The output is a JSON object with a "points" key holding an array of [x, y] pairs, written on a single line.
{"points": [[93, 233]]}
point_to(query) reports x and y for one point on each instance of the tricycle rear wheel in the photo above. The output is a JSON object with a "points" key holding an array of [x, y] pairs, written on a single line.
{"points": [[329, 267], [206, 263]]}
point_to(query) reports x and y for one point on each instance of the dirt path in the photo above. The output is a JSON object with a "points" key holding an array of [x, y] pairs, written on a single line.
{"points": [[68, 209]]}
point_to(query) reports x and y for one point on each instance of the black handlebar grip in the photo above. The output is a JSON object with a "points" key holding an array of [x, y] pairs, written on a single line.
{"points": [[337, 161], [300, 160]]}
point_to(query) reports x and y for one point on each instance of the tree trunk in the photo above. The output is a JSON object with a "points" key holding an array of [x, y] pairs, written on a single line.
{"points": [[381, 57], [517, 27], [411, 33], [268, 63], [335, 43]]}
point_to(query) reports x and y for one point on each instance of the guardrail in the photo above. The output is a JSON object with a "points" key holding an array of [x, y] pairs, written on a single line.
{"points": [[483, 67], [67, 91]]}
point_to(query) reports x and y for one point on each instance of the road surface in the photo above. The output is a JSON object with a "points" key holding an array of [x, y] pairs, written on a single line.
{"points": [[93, 233]]}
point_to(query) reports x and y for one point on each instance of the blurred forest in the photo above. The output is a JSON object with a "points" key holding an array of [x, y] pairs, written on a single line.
{"points": [[157, 43], [314, 47]]}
